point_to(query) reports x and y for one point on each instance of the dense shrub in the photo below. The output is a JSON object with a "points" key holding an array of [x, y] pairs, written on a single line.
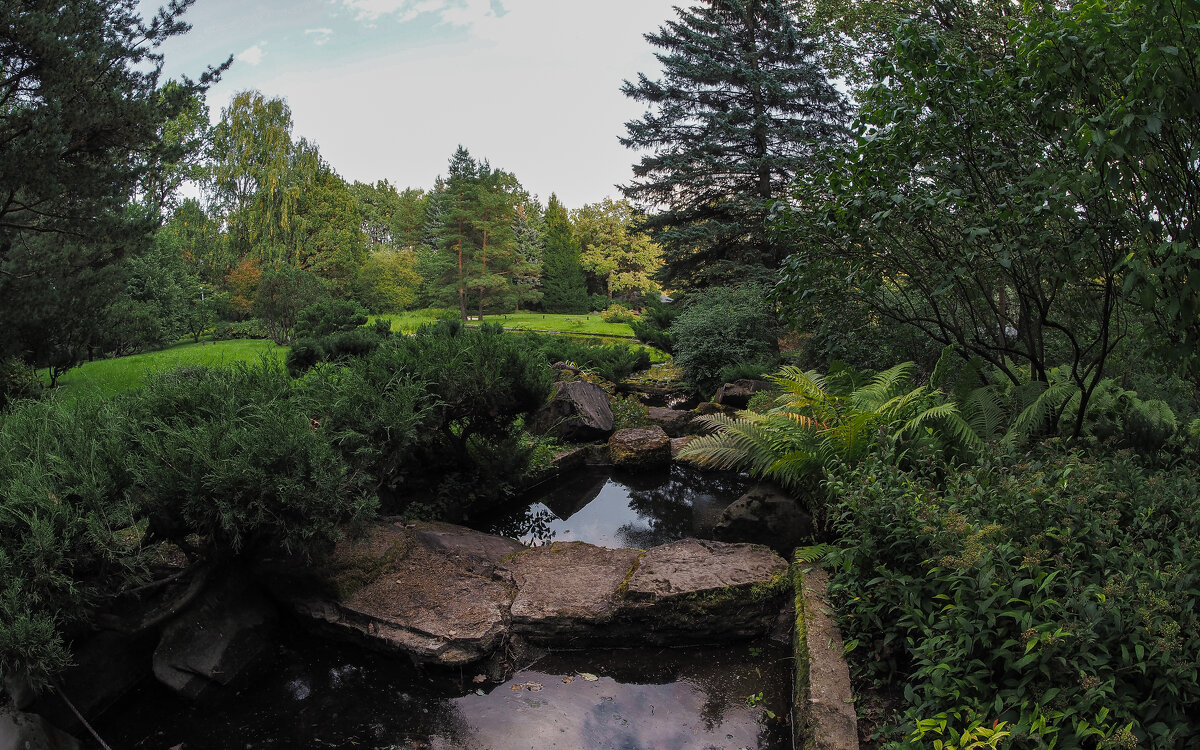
{"points": [[232, 456], [65, 522], [613, 362], [329, 316], [723, 327], [242, 329], [1056, 593], [654, 324], [1118, 417], [618, 313], [18, 381]]}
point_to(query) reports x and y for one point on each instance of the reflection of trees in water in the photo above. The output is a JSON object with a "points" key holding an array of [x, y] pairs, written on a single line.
{"points": [[532, 523], [681, 503]]}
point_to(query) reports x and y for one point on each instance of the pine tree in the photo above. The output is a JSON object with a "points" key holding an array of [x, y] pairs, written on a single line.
{"points": [[564, 285], [742, 108]]}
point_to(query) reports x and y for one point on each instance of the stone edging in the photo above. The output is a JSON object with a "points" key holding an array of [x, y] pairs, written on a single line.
{"points": [[823, 715]]}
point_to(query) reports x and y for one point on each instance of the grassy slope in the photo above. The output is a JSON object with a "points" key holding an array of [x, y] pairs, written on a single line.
{"points": [[105, 377], [407, 322], [108, 376]]}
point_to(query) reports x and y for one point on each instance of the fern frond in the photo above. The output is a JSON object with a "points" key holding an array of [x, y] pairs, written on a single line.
{"points": [[1034, 416], [813, 553], [882, 387]]}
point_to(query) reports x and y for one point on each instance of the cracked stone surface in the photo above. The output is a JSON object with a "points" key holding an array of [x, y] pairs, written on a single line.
{"points": [[567, 589], [447, 595]]}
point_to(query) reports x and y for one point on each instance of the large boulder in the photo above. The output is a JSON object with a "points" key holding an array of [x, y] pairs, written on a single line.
{"points": [[23, 731], [703, 591], [449, 596], [430, 591], [223, 637], [766, 515], [675, 422], [738, 393], [579, 412], [567, 591], [640, 448]]}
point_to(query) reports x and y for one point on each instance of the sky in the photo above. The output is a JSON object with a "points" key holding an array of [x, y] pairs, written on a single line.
{"points": [[389, 88]]}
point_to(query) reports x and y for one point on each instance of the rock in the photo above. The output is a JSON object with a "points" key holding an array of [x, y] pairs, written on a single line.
{"points": [[223, 636], [694, 591], [579, 412], [567, 591], [678, 444], [766, 515], [23, 731], [738, 393], [675, 422], [450, 596], [426, 592], [708, 408], [640, 447]]}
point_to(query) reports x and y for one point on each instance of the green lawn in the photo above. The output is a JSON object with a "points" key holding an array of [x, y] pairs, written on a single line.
{"points": [[593, 324], [105, 377], [407, 322]]}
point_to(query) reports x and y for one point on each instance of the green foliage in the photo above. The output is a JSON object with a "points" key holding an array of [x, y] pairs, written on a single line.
{"points": [[1054, 593], [618, 313], [1119, 418], [282, 293], [613, 362], [622, 259], [812, 429], [63, 515], [654, 325], [742, 108], [722, 327], [231, 456], [329, 316], [388, 281], [18, 381], [628, 411], [564, 286], [242, 329]]}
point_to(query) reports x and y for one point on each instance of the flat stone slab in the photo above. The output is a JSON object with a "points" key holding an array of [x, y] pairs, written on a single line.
{"points": [[567, 590], [424, 591], [447, 595], [640, 447], [695, 567], [823, 716]]}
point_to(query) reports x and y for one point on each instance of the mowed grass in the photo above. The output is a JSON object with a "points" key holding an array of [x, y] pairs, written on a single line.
{"points": [[593, 324], [106, 377], [407, 322]]}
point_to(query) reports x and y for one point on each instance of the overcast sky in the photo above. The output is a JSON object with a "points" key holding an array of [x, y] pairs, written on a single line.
{"points": [[389, 88]]}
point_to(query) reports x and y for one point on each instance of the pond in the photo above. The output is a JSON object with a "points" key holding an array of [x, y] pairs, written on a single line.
{"points": [[612, 508], [321, 694]]}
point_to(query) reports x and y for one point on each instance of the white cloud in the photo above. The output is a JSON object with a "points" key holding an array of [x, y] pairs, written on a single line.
{"points": [[254, 55], [453, 12], [321, 35]]}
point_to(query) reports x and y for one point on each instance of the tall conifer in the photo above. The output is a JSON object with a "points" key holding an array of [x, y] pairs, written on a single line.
{"points": [[564, 285], [741, 109]]}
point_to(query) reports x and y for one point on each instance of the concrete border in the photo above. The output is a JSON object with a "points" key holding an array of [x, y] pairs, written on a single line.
{"points": [[823, 714]]}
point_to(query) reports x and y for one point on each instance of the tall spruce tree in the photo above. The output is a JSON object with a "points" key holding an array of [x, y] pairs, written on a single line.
{"points": [[564, 285], [743, 106]]}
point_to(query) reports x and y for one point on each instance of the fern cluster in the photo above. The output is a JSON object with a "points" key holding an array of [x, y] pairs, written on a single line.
{"points": [[813, 427]]}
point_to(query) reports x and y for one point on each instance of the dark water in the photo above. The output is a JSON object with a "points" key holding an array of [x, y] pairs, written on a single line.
{"points": [[319, 694], [621, 509]]}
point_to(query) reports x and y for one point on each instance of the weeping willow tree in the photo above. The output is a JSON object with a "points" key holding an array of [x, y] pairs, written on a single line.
{"points": [[812, 427]]}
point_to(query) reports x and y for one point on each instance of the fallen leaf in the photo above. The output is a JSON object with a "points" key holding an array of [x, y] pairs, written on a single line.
{"points": [[480, 692], [516, 687], [568, 679], [588, 676], [479, 678], [534, 686]]}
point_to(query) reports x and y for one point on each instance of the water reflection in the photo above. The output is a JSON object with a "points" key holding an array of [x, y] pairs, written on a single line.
{"points": [[619, 509], [321, 694]]}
